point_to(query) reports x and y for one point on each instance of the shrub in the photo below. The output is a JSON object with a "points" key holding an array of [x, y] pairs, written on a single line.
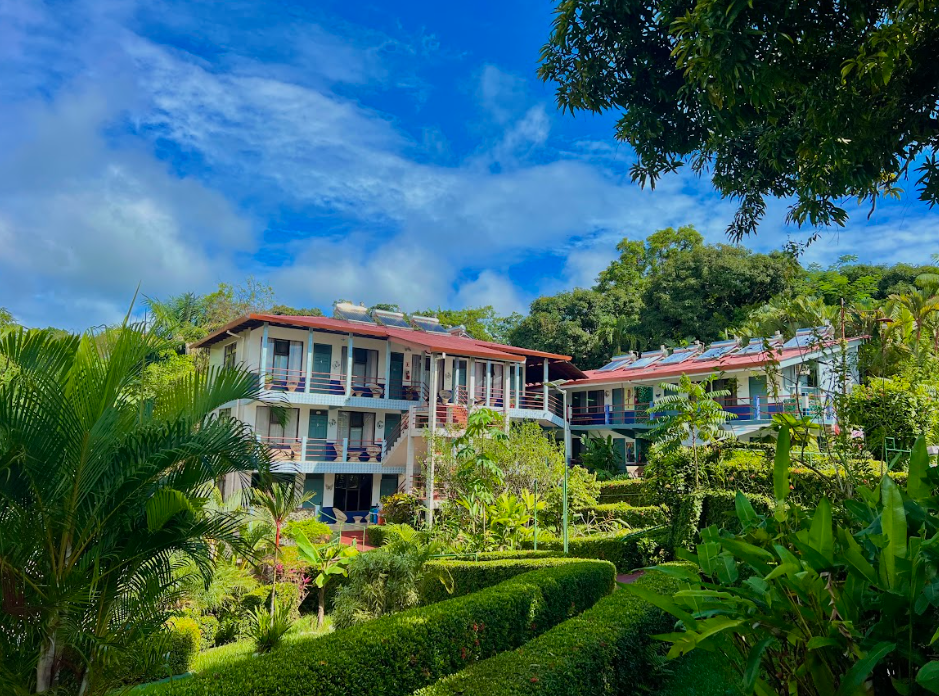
{"points": [[445, 579], [635, 491], [208, 628], [169, 652], [401, 508], [379, 583], [635, 517], [696, 511], [896, 408], [397, 654], [376, 535], [316, 531], [582, 491], [606, 650], [627, 550], [268, 629], [288, 596]]}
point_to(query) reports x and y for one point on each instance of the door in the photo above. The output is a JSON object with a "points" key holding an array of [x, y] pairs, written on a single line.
{"points": [[313, 483], [316, 446], [389, 484], [322, 366], [758, 400], [392, 421], [396, 374], [618, 407]]}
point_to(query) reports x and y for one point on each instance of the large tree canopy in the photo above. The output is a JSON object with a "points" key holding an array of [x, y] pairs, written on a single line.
{"points": [[816, 100]]}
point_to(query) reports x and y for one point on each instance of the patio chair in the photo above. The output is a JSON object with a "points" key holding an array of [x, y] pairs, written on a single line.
{"points": [[340, 516], [373, 451], [337, 448], [354, 454], [376, 389], [445, 395]]}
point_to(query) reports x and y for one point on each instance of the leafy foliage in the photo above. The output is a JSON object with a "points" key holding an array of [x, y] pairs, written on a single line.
{"points": [[764, 96], [269, 628], [105, 493], [818, 606], [326, 561]]}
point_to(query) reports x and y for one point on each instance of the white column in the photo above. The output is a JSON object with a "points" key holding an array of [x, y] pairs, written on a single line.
{"points": [[376, 489], [349, 368], [488, 383], [262, 368], [409, 464], [544, 383], [309, 362], [432, 413], [387, 369], [471, 381], [329, 494], [519, 387], [506, 392]]}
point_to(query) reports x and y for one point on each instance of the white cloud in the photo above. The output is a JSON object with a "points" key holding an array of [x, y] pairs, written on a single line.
{"points": [[491, 288]]}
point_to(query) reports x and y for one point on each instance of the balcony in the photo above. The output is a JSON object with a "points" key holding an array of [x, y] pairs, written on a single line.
{"points": [[304, 449], [533, 400], [610, 415], [334, 384]]}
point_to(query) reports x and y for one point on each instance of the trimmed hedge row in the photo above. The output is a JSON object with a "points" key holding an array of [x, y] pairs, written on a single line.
{"points": [[626, 549], [602, 651], [634, 491], [397, 654], [445, 579], [702, 509], [635, 517]]}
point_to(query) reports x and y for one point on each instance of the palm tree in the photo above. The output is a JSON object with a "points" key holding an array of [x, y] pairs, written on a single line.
{"points": [[690, 412], [103, 496], [917, 307], [276, 501]]}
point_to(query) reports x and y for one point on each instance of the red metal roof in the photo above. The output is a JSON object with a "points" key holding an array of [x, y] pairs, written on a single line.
{"points": [[437, 342], [692, 367]]}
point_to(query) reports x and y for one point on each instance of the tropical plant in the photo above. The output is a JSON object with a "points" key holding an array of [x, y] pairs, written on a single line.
{"points": [[690, 412], [812, 606], [582, 491], [510, 517], [268, 628], [476, 467], [276, 501], [104, 495], [401, 508], [601, 456], [326, 561], [917, 308]]}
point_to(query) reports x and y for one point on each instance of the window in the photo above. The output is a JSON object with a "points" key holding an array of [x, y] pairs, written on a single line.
{"points": [[364, 364], [352, 492], [284, 357], [270, 426], [281, 357], [358, 426], [230, 357], [224, 414]]}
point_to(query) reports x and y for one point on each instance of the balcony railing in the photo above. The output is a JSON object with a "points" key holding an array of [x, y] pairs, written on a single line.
{"points": [[299, 449], [744, 409], [533, 399], [335, 383]]}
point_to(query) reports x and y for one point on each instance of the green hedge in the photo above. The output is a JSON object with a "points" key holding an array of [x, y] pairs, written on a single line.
{"points": [[635, 491], [444, 579], [605, 650], [397, 654], [376, 535], [627, 550], [635, 517], [704, 508]]}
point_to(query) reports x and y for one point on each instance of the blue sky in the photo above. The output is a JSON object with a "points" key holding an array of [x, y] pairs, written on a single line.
{"points": [[375, 151]]}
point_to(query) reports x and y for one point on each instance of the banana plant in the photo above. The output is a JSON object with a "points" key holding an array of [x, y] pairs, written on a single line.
{"points": [[808, 606], [325, 560]]}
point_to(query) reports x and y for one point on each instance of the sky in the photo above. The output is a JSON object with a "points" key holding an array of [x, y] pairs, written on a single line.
{"points": [[370, 151]]}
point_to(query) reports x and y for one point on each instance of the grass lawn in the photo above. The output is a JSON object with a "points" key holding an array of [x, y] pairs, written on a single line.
{"points": [[223, 654], [701, 673]]}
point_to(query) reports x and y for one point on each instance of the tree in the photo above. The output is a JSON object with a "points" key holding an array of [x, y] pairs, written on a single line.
{"points": [[103, 496], [814, 100], [229, 302], [326, 561], [917, 307], [287, 311], [6, 318], [276, 500], [690, 412]]}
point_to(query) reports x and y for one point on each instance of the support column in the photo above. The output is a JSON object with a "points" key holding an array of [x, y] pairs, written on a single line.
{"points": [[506, 393], [387, 390], [471, 381], [432, 416], [488, 383], [409, 464], [519, 387], [349, 367], [567, 429], [544, 386], [262, 368], [309, 362]]}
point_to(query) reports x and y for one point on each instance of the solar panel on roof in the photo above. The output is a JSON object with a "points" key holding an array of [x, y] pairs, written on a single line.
{"points": [[806, 338], [679, 356], [645, 361], [395, 319], [717, 350], [615, 364], [753, 347], [351, 312], [428, 324]]}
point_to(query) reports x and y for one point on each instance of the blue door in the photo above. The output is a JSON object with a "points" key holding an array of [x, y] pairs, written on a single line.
{"points": [[316, 448], [757, 387], [396, 387], [322, 366]]}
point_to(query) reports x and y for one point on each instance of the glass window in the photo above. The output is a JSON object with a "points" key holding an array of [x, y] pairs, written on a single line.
{"points": [[269, 425], [352, 492], [230, 355]]}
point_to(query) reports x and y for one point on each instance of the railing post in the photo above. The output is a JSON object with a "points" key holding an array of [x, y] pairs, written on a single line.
{"points": [[349, 367], [309, 363], [544, 384], [488, 383], [345, 449]]}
